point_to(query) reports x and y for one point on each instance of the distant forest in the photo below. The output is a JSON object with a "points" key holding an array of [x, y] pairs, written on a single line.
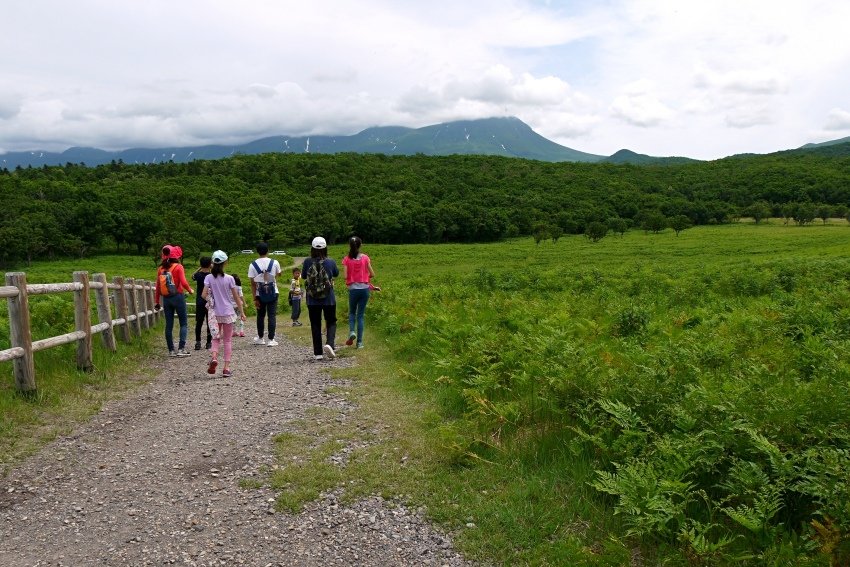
{"points": [[232, 203]]}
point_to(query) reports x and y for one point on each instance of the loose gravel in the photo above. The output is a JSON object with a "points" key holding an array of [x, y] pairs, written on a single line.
{"points": [[154, 478]]}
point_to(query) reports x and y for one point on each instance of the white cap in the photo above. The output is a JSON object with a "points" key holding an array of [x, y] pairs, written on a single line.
{"points": [[319, 243], [219, 257]]}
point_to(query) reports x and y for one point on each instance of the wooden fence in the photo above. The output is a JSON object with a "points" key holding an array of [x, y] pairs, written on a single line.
{"points": [[133, 303]]}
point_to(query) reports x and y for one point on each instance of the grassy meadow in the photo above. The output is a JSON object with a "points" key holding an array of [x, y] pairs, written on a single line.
{"points": [[649, 399], [684, 398]]}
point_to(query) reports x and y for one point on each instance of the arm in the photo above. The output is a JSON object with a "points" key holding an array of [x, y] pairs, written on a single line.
{"points": [[156, 295], [179, 275], [238, 301]]}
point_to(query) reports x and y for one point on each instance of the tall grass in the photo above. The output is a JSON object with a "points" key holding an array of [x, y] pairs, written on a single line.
{"points": [[702, 379]]}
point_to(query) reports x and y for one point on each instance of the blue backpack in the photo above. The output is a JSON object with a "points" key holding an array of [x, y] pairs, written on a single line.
{"points": [[266, 289]]}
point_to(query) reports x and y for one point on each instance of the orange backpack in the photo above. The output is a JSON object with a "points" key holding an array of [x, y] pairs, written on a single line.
{"points": [[165, 283]]}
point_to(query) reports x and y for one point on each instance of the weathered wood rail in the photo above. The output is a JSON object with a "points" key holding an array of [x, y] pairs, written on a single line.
{"points": [[134, 312]]}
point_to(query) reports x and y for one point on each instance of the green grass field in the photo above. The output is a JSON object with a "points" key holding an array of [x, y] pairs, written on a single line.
{"points": [[647, 399]]}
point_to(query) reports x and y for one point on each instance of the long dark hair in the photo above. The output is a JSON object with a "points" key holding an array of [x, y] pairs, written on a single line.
{"points": [[354, 244], [320, 253], [217, 269]]}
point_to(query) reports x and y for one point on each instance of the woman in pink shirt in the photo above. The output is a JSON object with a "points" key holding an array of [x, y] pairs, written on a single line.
{"points": [[358, 273]]}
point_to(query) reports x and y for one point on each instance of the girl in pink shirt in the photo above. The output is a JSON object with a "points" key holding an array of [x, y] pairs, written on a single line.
{"points": [[358, 273]]}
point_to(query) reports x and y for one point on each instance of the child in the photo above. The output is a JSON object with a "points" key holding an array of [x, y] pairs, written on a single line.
{"points": [[200, 305], [295, 296], [222, 288], [240, 325]]}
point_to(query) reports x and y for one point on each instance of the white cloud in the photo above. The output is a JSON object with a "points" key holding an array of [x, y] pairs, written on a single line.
{"points": [[838, 119], [747, 75]]}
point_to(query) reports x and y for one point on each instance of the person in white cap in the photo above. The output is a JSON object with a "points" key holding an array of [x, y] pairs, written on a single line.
{"points": [[318, 272], [222, 287]]}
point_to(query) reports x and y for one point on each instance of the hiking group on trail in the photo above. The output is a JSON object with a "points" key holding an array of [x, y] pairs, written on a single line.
{"points": [[219, 300]]}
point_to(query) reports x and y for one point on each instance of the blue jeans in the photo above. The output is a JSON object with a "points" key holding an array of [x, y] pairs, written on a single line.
{"points": [[269, 309], [170, 305], [357, 300]]}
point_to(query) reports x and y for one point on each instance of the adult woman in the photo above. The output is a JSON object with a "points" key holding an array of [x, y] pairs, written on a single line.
{"points": [[358, 271], [172, 300], [318, 271]]}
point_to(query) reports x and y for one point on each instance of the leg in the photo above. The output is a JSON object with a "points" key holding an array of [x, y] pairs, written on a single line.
{"points": [[352, 310], [362, 300], [315, 314], [272, 311], [216, 344], [330, 321], [168, 307], [200, 315], [227, 338], [261, 315], [183, 317], [296, 309]]}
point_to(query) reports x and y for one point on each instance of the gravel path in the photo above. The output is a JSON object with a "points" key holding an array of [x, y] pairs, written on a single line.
{"points": [[153, 479]]}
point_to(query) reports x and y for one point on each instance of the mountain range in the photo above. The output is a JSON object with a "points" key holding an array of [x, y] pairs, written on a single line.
{"points": [[509, 137]]}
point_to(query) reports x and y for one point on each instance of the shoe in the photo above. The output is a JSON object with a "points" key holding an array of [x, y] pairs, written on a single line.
{"points": [[213, 364], [209, 345], [350, 340], [297, 324], [183, 352], [259, 341], [197, 345], [271, 342], [172, 353], [359, 345], [227, 373], [294, 324], [329, 351], [241, 333], [317, 357]]}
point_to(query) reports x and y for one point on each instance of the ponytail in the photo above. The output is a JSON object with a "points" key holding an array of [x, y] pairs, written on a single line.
{"points": [[354, 244]]}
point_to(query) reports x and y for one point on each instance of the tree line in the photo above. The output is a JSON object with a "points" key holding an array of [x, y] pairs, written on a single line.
{"points": [[285, 199]]}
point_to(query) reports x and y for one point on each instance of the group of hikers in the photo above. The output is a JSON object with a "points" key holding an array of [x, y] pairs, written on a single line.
{"points": [[220, 303]]}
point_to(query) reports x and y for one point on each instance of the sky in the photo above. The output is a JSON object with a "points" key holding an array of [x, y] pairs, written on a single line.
{"points": [[660, 77]]}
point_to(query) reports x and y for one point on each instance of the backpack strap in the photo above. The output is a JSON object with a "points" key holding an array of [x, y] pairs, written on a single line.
{"points": [[257, 267]]}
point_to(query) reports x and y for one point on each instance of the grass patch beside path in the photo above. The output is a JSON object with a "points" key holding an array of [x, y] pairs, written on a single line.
{"points": [[502, 510], [66, 396]]}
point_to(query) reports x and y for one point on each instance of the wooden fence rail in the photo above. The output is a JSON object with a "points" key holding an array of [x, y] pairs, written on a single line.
{"points": [[133, 301]]}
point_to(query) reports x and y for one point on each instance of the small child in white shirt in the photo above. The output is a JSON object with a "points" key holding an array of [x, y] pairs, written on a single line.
{"points": [[295, 296], [239, 329]]}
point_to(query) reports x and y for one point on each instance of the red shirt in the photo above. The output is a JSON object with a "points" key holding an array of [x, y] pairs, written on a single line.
{"points": [[356, 271]]}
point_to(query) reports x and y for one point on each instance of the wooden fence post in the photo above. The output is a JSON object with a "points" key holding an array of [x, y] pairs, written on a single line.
{"points": [[121, 308], [146, 286], [104, 311], [82, 321], [134, 307], [20, 333], [143, 304]]}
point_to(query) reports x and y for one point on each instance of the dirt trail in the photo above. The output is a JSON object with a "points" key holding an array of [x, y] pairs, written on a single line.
{"points": [[153, 479]]}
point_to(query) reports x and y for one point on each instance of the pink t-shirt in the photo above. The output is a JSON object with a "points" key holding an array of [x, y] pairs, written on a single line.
{"points": [[356, 271]]}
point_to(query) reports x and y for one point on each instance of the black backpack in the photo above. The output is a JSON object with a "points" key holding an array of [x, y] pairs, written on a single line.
{"points": [[318, 281], [265, 289]]}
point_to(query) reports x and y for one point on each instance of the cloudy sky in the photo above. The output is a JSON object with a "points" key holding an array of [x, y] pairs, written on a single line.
{"points": [[660, 77]]}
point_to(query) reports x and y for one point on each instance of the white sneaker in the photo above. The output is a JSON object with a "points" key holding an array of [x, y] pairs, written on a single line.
{"points": [[272, 342], [317, 357], [259, 341], [329, 351]]}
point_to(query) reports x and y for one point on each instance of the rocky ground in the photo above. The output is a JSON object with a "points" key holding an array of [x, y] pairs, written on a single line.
{"points": [[154, 479]]}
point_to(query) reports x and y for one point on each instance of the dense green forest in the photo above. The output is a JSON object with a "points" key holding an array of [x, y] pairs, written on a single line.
{"points": [[232, 203]]}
